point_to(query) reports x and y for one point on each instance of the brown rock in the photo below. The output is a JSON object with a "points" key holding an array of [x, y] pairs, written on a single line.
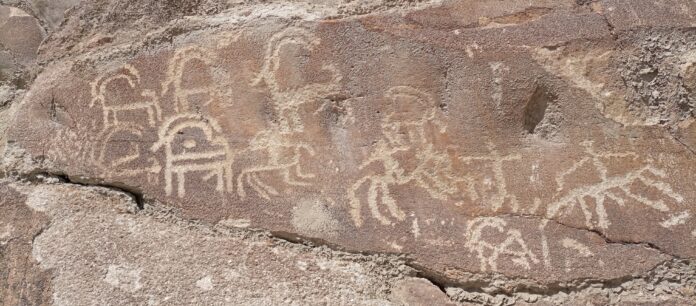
{"points": [[99, 249], [630, 14], [382, 134], [22, 282], [519, 149], [20, 34], [417, 291]]}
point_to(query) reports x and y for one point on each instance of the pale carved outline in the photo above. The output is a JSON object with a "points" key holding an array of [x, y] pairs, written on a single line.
{"points": [[433, 172], [217, 163], [132, 76], [616, 188], [278, 143], [151, 172], [176, 71], [488, 253], [495, 160]]}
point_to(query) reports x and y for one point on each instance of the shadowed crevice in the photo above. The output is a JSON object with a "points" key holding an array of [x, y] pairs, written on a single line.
{"points": [[536, 107], [134, 193]]}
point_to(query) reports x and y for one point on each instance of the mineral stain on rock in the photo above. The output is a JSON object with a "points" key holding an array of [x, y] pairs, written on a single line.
{"points": [[347, 152]]}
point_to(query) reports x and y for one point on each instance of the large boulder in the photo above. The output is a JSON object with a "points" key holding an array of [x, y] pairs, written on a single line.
{"points": [[525, 146]]}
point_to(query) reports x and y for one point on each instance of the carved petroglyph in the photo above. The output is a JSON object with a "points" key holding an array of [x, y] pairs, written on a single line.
{"points": [[280, 155], [412, 150], [616, 188], [676, 219], [193, 143], [579, 248], [478, 241], [185, 91], [287, 101], [407, 128], [117, 94], [279, 147], [191, 83], [495, 161], [125, 164], [404, 131]]}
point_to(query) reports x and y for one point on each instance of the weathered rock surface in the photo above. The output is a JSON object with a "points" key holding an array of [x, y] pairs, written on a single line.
{"points": [[531, 152], [169, 262], [20, 37], [22, 281]]}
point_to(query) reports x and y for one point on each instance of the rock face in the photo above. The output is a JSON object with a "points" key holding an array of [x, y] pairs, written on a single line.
{"points": [[20, 37], [517, 152]]}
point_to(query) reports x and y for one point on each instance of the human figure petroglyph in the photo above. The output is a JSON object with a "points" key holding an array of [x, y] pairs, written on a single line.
{"points": [[495, 161], [616, 188], [122, 99], [282, 157], [478, 237], [206, 152], [405, 128], [287, 101], [279, 147], [185, 90]]}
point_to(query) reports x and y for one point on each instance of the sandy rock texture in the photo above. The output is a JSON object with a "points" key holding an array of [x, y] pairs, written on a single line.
{"points": [[432, 152]]}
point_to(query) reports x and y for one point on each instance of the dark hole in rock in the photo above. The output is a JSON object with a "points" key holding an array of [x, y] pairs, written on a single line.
{"points": [[536, 108]]}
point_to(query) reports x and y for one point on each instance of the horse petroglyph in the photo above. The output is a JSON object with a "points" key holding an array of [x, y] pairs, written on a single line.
{"points": [[615, 188], [411, 115], [281, 155]]}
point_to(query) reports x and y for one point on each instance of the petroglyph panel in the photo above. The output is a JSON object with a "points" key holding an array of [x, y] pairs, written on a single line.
{"points": [[379, 134]]}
